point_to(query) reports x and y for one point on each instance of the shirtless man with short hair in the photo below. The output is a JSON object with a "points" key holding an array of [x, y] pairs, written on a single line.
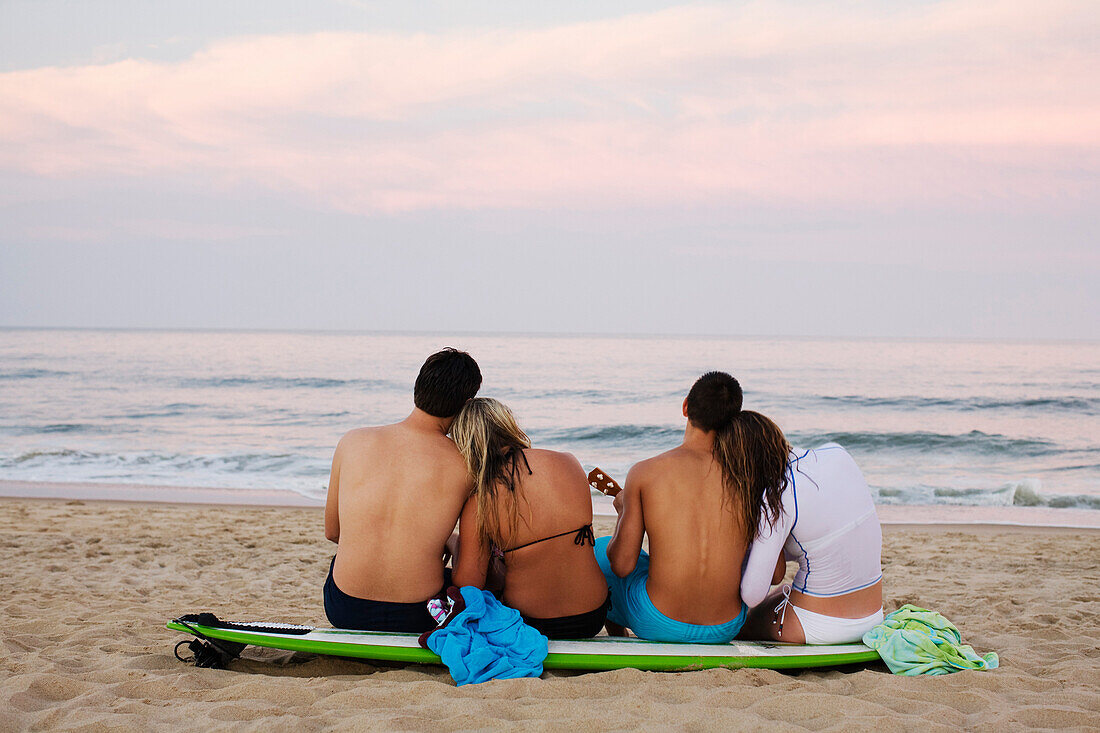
{"points": [[687, 588], [394, 498]]}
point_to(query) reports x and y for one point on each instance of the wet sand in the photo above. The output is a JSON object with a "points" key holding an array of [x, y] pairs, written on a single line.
{"points": [[89, 585]]}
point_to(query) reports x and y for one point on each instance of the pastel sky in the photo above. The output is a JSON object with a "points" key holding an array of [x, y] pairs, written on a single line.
{"points": [[884, 168]]}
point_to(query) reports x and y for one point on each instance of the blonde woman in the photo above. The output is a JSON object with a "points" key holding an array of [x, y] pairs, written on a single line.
{"points": [[530, 514]]}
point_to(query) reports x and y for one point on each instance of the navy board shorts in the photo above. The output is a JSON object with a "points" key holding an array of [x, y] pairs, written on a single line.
{"points": [[349, 612]]}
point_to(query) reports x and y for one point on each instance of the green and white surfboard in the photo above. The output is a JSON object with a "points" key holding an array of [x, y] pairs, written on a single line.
{"points": [[601, 653]]}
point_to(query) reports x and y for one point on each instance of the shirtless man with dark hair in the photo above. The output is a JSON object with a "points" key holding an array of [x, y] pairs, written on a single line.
{"points": [[687, 587], [394, 497]]}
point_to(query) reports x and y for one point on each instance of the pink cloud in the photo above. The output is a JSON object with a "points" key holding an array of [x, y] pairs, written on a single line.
{"points": [[854, 105]]}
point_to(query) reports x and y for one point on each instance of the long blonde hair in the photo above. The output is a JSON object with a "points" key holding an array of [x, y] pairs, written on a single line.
{"points": [[492, 444]]}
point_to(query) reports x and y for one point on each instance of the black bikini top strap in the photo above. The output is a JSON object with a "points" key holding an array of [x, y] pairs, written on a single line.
{"points": [[511, 453], [583, 536]]}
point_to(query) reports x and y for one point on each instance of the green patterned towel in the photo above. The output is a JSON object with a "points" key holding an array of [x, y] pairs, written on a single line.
{"points": [[915, 641]]}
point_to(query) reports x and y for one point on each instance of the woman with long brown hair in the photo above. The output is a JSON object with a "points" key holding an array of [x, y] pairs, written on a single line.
{"points": [[815, 509], [527, 525]]}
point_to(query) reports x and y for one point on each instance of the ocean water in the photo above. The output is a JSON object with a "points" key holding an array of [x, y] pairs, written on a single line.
{"points": [[930, 422]]}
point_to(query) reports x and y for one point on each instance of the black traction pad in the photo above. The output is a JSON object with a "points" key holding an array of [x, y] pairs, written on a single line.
{"points": [[263, 627]]}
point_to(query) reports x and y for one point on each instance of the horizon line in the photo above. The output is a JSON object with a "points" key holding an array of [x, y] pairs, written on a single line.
{"points": [[555, 334]]}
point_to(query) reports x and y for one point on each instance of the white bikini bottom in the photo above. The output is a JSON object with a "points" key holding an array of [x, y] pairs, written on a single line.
{"points": [[822, 629]]}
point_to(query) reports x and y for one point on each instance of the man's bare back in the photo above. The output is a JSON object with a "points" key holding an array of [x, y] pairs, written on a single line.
{"points": [[695, 546], [394, 498], [687, 587]]}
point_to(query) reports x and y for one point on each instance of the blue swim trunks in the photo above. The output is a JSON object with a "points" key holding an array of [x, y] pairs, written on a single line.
{"points": [[631, 607]]}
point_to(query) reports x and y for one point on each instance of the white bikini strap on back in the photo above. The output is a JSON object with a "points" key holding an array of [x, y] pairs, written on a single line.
{"points": [[781, 609]]}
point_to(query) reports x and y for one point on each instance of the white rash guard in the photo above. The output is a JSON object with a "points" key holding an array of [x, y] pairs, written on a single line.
{"points": [[828, 524]]}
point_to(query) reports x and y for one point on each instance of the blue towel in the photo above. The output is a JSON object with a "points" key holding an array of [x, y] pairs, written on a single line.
{"points": [[488, 641]]}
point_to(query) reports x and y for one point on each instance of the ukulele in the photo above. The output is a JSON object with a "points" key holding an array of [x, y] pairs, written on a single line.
{"points": [[601, 482]]}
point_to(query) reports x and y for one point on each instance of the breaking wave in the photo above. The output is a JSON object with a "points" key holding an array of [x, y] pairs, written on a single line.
{"points": [[291, 383], [1086, 405], [973, 442], [1013, 493], [610, 435], [301, 473]]}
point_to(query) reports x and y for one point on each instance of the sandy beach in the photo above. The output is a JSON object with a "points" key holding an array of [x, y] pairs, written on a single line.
{"points": [[88, 587]]}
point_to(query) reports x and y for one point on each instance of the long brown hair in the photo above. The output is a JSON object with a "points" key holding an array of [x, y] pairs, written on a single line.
{"points": [[753, 454], [492, 444]]}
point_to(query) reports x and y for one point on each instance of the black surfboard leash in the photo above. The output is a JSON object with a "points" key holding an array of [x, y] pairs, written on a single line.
{"points": [[207, 652]]}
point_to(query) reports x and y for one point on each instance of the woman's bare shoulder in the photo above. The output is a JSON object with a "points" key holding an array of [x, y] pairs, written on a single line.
{"points": [[554, 460]]}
